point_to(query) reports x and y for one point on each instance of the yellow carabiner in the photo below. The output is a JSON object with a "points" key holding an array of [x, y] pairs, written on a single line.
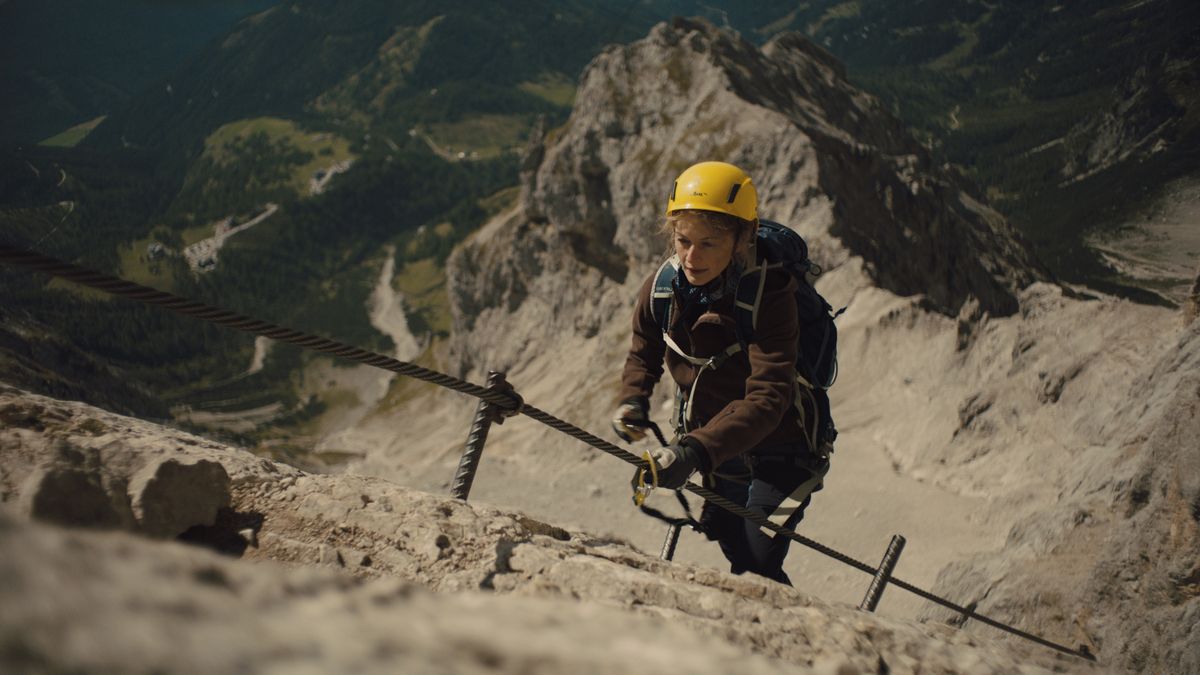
{"points": [[643, 490]]}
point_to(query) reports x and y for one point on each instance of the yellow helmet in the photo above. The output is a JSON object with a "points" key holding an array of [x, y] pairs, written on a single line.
{"points": [[715, 186]]}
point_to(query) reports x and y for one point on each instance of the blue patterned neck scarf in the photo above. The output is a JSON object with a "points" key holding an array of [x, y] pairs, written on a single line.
{"points": [[696, 300]]}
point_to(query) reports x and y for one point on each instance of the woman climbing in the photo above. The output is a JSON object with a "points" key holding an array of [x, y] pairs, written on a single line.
{"points": [[739, 421]]}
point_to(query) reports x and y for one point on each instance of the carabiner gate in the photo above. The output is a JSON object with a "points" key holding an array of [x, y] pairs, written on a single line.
{"points": [[643, 489]]}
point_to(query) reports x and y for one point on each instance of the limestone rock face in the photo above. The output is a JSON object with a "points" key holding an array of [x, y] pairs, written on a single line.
{"points": [[827, 159], [364, 560], [71, 495], [95, 478], [1116, 561]]}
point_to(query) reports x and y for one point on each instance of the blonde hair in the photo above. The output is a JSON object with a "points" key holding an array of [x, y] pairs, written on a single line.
{"points": [[742, 230]]}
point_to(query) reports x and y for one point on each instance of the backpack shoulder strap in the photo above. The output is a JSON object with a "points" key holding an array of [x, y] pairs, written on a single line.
{"points": [[748, 298], [663, 292]]}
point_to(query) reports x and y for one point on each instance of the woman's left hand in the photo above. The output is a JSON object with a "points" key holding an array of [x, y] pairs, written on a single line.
{"points": [[677, 462]]}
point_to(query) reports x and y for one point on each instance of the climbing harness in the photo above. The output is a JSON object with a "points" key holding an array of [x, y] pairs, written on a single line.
{"points": [[795, 500], [509, 404]]}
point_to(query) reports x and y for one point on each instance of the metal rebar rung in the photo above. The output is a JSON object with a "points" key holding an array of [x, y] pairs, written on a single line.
{"points": [[884, 574], [484, 416], [670, 542]]}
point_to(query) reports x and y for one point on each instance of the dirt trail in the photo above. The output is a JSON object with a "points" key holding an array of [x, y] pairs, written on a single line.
{"points": [[363, 387], [386, 308]]}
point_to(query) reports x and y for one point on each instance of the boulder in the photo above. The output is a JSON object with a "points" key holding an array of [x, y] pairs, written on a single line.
{"points": [[95, 472], [171, 496]]}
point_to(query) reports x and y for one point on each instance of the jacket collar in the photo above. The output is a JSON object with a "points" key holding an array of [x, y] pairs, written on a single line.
{"points": [[694, 301]]}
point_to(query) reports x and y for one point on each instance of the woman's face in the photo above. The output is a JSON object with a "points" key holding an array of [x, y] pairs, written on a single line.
{"points": [[704, 252]]}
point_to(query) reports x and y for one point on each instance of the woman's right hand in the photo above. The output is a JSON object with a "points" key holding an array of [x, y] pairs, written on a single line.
{"points": [[632, 419]]}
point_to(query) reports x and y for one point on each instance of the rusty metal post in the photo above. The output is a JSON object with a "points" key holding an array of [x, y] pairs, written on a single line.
{"points": [[485, 414], [883, 574], [669, 544]]}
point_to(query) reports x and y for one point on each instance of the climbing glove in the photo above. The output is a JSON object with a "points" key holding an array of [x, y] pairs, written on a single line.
{"points": [[632, 418], [678, 461]]}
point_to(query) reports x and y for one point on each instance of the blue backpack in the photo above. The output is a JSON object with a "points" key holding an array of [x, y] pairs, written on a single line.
{"points": [[777, 247]]}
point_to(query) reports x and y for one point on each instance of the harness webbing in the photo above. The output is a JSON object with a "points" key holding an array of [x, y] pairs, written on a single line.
{"points": [[795, 501], [661, 297]]}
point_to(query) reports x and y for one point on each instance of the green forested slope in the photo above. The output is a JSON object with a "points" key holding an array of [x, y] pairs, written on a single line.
{"points": [[64, 62], [304, 267], [376, 63]]}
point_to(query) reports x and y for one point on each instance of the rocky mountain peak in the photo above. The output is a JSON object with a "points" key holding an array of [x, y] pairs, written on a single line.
{"points": [[827, 158]]}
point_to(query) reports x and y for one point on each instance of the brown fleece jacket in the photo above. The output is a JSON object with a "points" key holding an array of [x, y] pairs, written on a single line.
{"points": [[746, 403]]}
